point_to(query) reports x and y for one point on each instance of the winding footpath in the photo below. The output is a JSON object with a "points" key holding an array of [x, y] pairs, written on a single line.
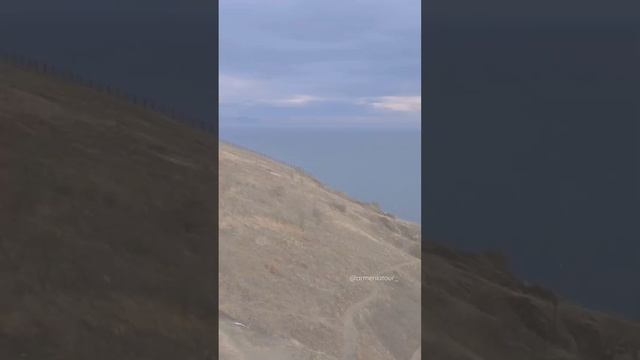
{"points": [[350, 331]]}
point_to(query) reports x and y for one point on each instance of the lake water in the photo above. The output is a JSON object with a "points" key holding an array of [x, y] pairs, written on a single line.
{"points": [[380, 166]]}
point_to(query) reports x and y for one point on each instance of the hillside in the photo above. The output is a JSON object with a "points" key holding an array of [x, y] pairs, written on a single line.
{"points": [[475, 309], [107, 251], [288, 248], [107, 216]]}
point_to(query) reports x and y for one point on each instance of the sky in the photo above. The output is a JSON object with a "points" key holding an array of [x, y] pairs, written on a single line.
{"points": [[113, 9], [539, 11], [319, 63], [163, 50]]}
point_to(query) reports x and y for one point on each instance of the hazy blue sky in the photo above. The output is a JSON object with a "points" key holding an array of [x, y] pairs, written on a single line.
{"points": [[320, 63]]}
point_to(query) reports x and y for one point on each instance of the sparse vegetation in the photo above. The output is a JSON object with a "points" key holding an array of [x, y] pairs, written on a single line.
{"points": [[485, 296], [273, 270], [43, 69], [322, 237], [317, 215], [106, 248], [279, 191], [498, 259], [339, 206]]}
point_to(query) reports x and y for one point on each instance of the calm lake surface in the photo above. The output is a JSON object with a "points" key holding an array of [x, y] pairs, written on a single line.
{"points": [[380, 166]]}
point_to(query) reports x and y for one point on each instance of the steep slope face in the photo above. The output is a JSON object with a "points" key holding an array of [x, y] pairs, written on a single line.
{"points": [[107, 216], [288, 247], [289, 251], [475, 309]]}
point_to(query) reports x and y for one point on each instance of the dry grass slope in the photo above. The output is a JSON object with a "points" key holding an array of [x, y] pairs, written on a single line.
{"points": [[106, 219], [288, 246], [475, 309]]}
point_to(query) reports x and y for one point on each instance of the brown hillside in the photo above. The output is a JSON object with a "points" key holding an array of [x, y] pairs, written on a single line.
{"points": [[288, 249], [107, 223], [288, 246], [475, 309], [107, 242]]}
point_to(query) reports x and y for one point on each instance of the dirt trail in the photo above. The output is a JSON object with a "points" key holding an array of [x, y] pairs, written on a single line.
{"points": [[350, 332], [327, 235], [240, 343]]}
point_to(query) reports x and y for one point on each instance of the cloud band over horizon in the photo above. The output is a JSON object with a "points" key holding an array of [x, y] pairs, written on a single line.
{"points": [[320, 63]]}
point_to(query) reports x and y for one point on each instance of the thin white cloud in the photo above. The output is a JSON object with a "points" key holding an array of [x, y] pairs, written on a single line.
{"points": [[233, 89], [294, 101], [288, 61], [245, 91], [398, 103]]}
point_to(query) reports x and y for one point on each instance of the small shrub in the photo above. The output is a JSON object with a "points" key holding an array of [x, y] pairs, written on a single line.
{"points": [[272, 269], [317, 215], [279, 191], [340, 207]]}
